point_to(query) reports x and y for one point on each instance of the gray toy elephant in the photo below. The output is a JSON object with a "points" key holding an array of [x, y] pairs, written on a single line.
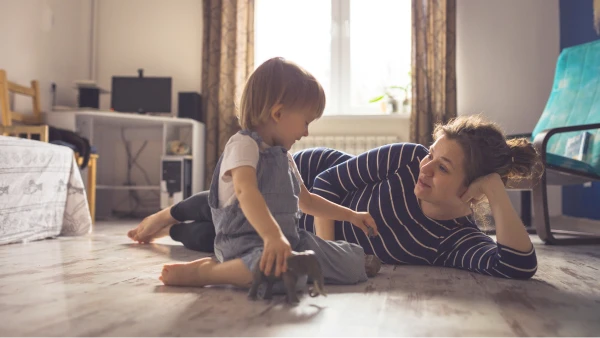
{"points": [[298, 265]]}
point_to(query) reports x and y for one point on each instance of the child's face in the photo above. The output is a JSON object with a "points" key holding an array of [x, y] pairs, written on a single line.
{"points": [[291, 126]]}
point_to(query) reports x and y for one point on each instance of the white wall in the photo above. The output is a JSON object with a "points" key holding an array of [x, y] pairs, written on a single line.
{"points": [[46, 40], [506, 56], [162, 37]]}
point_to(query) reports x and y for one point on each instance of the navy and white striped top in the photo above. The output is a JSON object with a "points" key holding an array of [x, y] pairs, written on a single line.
{"points": [[381, 181]]}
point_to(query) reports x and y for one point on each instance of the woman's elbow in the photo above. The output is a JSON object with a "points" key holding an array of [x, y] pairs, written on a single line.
{"points": [[529, 274], [521, 273]]}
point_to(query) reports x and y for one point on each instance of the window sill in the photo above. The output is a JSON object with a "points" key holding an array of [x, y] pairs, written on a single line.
{"points": [[357, 125], [367, 116]]}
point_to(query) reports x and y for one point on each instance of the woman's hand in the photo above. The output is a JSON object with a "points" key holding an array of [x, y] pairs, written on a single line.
{"points": [[365, 222], [510, 230], [481, 187]]}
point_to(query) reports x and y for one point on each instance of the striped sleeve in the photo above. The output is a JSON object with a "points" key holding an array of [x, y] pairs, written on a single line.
{"points": [[370, 167], [470, 249], [313, 161]]}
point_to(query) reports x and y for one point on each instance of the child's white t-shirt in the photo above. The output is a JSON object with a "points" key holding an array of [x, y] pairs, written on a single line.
{"points": [[241, 150]]}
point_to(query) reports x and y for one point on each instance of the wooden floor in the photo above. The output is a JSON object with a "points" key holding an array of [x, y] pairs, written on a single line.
{"points": [[104, 285]]}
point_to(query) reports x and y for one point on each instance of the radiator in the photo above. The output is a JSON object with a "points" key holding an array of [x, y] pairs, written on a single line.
{"points": [[353, 145]]}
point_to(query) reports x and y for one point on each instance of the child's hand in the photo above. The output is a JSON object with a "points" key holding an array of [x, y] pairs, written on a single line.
{"points": [[277, 250], [366, 223]]}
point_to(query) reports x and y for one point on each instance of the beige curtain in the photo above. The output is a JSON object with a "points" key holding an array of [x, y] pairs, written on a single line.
{"points": [[433, 66], [227, 61]]}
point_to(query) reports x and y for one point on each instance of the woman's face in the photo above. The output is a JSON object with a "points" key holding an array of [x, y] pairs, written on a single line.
{"points": [[442, 175]]}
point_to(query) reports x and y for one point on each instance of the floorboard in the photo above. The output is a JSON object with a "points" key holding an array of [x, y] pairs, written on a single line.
{"points": [[104, 285]]}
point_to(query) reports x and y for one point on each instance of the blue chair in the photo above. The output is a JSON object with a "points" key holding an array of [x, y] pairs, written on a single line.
{"points": [[572, 109]]}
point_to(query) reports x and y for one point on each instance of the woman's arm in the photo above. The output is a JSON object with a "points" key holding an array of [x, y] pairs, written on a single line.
{"points": [[510, 230], [513, 256], [313, 161], [470, 249]]}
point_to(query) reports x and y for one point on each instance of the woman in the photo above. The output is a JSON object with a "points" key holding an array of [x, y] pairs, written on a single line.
{"points": [[421, 199]]}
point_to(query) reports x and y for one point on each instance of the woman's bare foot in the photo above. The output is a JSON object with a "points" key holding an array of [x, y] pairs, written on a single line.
{"points": [[152, 227], [188, 274]]}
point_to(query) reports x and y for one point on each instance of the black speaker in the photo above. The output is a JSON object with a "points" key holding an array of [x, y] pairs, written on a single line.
{"points": [[89, 97], [190, 106]]}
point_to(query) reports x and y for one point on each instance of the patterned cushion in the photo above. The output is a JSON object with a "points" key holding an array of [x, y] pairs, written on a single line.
{"points": [[574, 100]]}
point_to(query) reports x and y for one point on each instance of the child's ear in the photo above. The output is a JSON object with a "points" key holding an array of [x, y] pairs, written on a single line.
{"points": [[276, 112]]}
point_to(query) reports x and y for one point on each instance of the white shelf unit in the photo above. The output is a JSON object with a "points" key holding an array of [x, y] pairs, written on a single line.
{"points": [[105, 130]]}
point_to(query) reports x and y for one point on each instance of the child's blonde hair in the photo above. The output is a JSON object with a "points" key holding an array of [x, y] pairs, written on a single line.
{"points": [[279, 81]]}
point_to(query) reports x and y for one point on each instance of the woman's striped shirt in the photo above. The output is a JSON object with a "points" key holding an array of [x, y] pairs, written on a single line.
{"points": [[381, 181]]}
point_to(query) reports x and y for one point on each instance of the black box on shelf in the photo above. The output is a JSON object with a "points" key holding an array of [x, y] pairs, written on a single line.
{"points": [[176, 179], [190, 106]]}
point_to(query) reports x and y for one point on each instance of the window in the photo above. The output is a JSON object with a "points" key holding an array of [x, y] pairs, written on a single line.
{"points": [[355, 48]]}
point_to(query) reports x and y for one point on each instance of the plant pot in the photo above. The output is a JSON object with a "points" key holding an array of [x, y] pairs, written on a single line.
{"points": [[393, 106], [383, 106], [406, 106]]}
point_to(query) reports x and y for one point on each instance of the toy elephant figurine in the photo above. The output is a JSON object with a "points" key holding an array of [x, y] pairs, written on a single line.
{"points": [[298, 265]]}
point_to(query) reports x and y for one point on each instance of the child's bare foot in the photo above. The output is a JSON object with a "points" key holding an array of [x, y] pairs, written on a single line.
{"points": [[187, 274], [153, 227], [164, 232]]}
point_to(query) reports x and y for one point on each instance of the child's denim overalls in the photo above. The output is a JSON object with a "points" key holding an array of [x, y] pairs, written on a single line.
{"points": [[341, 262]]}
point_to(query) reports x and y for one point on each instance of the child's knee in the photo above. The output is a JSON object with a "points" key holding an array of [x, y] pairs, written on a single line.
{"points": [[359, 272], [354, 267], [356, 275], [342, 262]]}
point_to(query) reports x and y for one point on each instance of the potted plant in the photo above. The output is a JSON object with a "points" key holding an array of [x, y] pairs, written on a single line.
{"points": [[392, 93], [391, 104]]}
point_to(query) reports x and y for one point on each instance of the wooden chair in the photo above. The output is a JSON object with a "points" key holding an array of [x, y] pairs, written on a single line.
{"points": [[32, 127]]}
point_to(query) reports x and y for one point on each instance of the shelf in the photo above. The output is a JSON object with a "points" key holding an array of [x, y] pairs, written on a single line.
{"points": [[128, 187], [108, 118], [106, 125]]}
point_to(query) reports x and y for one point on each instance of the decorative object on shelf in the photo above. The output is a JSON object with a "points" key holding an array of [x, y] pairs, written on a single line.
{"points": [[177, 147]]}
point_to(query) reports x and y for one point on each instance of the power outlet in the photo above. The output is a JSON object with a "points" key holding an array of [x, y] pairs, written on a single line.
{"points": [[53, 93]]}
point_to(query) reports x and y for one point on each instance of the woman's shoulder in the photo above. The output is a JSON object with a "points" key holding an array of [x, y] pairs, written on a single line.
{"points": [[403, 153], [412, 150], [418, 150]]}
